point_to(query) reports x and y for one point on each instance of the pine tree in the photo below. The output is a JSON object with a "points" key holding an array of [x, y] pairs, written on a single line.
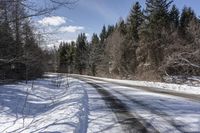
{"points": [[81, 53], [95, 39], [154, 30], [18, 13], [135, 19], [63, 49], [186, 16], [32, 53], [122, 27], [103, 34], [70, 57], [174, 16], [110, 30], [7, 43], [157, 13], [94, 54]]}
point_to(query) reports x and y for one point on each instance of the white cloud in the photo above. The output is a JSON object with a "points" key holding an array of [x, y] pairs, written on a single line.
{"points": [[52, 21], [71, 29]]}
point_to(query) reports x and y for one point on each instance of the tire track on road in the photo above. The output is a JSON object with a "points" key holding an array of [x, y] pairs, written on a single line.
{"points": [[129, 123], [154, 110]]}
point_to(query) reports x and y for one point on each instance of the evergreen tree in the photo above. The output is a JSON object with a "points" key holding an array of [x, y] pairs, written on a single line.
{"points": [[95, 39], [70, 57], [94, 53], [7, 43], [174, 16], [32, 53], [135, 19], [122, 27], [110, 30], [186, 16], [154, 31], [157, 13], [81, 53], [18, 12], [103, 34], [63, 49]]}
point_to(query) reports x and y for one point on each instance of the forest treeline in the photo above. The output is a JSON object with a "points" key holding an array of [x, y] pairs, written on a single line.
{"points": [[20, 54], [155, 41]]}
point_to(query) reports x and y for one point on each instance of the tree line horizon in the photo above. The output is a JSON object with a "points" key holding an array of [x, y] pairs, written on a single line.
{"points": [[157, 41], [153, 42]]}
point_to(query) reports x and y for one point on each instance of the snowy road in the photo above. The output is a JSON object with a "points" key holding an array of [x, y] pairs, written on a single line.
{"points": [[80, 104], [141, 110]]}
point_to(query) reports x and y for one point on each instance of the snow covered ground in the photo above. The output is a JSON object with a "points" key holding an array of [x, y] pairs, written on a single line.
{"points": [[61, 104], [55, 104], [189, 80], [44, 105]]}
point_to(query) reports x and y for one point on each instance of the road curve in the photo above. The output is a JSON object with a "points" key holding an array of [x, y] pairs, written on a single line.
{"points": [[141, 110], [193, 97]]}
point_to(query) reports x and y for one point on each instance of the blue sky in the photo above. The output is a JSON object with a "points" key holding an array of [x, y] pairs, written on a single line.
{"points": [[90, 15]]}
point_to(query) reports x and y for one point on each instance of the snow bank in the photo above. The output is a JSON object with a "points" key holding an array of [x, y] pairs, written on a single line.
{"points": [[154, 85], [50, 104], [189, 80]]}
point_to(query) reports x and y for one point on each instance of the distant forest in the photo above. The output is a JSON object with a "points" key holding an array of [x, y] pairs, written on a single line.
{"points": [[151, 43]]}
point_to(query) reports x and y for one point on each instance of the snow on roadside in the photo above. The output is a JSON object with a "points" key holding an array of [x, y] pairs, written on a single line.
{"points": [[189, 80], [154, 85], [49, 106]]}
